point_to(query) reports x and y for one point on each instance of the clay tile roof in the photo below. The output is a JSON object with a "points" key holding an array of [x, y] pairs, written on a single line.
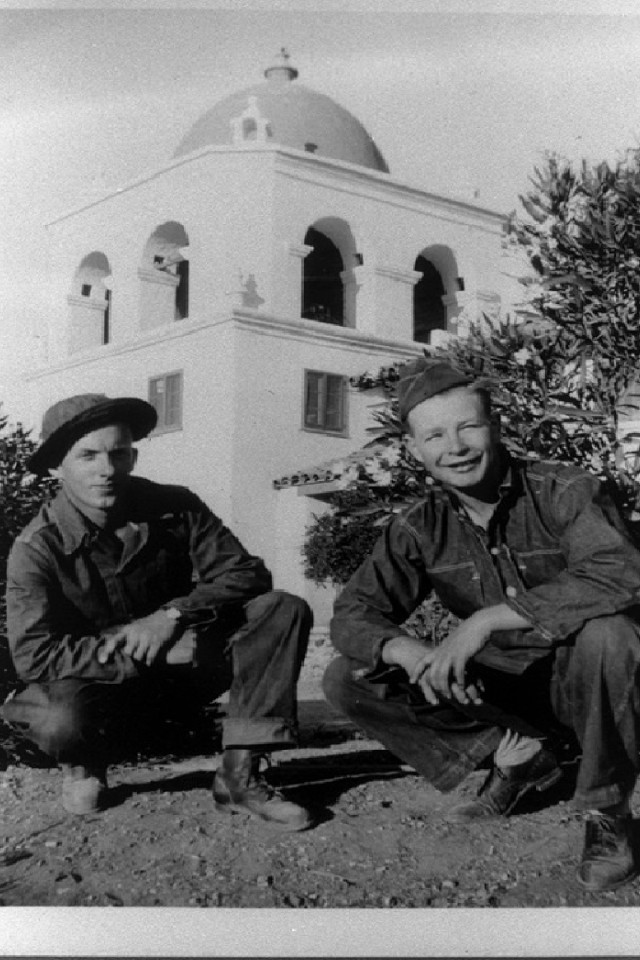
{"points": [[373, 462]]}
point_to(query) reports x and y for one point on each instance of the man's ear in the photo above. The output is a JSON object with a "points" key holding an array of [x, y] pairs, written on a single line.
{"points": [[134, 456], [412, 446]]}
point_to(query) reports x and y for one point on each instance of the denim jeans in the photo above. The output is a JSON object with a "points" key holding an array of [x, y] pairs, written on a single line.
{"points": [[257, 656], [588, 688]]}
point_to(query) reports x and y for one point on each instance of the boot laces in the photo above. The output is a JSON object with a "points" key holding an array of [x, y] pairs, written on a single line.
{"points": [[258, 783], [603, 833]]}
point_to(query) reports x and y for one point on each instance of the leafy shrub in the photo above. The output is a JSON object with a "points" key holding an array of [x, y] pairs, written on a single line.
{"points": [[21, 495]]}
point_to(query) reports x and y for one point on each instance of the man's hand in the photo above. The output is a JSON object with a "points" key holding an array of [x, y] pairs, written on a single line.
{"points": [[442, 670], [415, 659], [143, 639]]}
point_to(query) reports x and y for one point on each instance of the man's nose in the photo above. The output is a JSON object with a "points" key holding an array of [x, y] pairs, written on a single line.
{"points": [[457, 444], [105, 465]]}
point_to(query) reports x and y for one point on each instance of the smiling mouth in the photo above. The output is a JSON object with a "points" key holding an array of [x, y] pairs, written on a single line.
{"points": [[465, 465]]}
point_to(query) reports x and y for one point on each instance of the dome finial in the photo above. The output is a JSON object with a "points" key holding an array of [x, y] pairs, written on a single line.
{"points": [[280, 69]]}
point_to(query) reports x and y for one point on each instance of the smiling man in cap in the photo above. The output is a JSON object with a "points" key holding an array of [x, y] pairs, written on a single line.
{"points": [[121, 588], [534, 560]]}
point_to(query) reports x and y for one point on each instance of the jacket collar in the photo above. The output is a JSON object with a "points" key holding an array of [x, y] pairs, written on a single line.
{"points": [[77, 531]]}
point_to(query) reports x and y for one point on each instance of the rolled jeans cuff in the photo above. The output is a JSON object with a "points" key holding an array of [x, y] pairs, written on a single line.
{"points": [[602, 797], [271, 733]]}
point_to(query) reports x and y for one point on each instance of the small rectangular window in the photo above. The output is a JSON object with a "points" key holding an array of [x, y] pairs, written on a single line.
{"points": [[85, 290], [165, 394], [325, 401]]}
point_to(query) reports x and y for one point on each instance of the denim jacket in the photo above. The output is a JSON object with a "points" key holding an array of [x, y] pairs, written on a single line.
{"points": [[67, 580], [556, 551]]}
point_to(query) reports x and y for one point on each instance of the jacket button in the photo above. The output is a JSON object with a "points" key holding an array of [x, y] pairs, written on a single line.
{"points": [[494, 551], [511, 592]]}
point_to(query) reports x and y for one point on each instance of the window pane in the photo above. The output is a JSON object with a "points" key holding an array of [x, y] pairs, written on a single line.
{"points": [[156, 398], [313, 399], [334, 405], [173, 398]]}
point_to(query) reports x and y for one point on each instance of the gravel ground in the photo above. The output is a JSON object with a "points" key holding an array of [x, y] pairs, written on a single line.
{"points": [[380, 839]]}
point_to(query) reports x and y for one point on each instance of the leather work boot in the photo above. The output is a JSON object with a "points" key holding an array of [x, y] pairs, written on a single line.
{"points": [[239, 787], [608, 859], [504, 788], [84, 789]]}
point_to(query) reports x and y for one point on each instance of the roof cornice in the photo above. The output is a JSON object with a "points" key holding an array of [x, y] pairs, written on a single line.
{"points": [[307, 166]]}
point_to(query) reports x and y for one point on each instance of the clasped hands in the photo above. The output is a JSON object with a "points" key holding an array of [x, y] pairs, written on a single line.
{"points": [[145, 640], [441, 672]]}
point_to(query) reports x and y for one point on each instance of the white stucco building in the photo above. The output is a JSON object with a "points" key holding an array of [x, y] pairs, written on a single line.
{"points": [[241, 284]]}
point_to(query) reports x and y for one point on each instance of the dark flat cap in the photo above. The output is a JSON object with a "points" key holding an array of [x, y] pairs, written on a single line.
{"points": [[72, 418], [424, 378]]}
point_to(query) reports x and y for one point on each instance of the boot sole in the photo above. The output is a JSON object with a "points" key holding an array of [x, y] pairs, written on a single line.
{"points": [[544, 783], [230, 809], [601, 888]]}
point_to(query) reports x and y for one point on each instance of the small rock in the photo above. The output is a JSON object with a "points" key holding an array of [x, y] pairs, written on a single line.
{"points": [[52, 843]]}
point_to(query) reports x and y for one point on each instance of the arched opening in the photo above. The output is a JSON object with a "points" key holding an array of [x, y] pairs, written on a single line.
{"points": [[90, 303], [429, 312], [322, 286], [249, 128], [165, 276]]}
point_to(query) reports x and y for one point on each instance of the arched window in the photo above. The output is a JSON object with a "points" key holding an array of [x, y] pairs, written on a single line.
{"points": [[322, 287], [164, 274], [90, 303], [429, 312]]}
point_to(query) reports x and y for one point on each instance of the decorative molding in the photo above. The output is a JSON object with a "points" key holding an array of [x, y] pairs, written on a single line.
{"points": [[451, 299], [300, 250], [93, 303], [490, 296], [307, 167], [151, 275], [410, 277], [353, 275], [284, 328]]}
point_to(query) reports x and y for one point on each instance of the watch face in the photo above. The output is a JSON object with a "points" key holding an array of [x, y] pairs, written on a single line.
{"points": [[172, 613]]}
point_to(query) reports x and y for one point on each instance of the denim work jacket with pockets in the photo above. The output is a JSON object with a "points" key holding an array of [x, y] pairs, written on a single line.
{"points": [[67, 581], [556, 551]]}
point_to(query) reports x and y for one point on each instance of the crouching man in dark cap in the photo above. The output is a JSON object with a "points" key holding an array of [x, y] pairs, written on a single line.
{"points": [[120, 585], [536, 562]]}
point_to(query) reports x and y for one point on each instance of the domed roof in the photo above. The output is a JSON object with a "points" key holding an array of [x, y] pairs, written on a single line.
{"points": [[292, 115]]}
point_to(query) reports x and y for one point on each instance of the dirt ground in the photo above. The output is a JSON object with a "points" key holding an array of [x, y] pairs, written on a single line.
{"points": [[380, 838]]}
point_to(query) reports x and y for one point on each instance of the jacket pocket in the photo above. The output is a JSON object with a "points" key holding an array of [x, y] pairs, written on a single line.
{"points": [[458, 586], [539, 566]]}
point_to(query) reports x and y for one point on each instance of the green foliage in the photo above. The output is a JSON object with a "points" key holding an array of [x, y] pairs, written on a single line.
{"points": [[21, 492]]}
